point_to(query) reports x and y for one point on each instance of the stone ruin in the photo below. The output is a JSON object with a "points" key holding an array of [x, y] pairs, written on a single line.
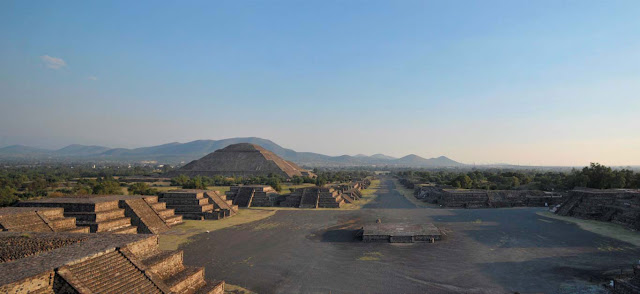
{"points": [[314, 197], [401, 233], [621, 206], [351, 192], [253, 195], [95, 263], [199, 204], [242, 159], [468, 198], [38, 219], [629, 285], [118, 214]]}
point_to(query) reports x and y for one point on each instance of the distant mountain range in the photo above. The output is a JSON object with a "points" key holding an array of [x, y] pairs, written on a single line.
{"points": [[185, 152]]}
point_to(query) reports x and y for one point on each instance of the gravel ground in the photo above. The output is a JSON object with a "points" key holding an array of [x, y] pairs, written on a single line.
{"points": [[485, 251]]}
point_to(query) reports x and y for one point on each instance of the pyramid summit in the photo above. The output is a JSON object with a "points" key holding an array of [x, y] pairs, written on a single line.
{"points": [[242, 159]]}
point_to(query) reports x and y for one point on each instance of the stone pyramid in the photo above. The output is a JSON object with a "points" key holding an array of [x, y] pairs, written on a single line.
{"points": [[242, 159]]}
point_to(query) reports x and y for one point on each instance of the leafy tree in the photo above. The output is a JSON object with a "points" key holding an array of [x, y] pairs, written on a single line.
{"points": [[142, 189], [7, 196]]}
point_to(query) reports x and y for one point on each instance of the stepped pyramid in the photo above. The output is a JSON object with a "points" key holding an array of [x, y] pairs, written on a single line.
{"points": [[314, 197], [198, 204], [114, 213], [251, 195], [96, 263], [36, 219], [242, 159]]}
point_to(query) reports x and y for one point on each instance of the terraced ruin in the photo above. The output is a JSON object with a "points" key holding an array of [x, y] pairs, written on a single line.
{"points": [[244, 160], [253, 195], [314, 197], [96, 263], [114, 214], [199, 204], [621, 206], [38, 219]]}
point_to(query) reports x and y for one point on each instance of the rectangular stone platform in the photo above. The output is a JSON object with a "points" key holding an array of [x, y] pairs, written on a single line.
{"points": [[401, 233], [114, 213], [95, 263]]}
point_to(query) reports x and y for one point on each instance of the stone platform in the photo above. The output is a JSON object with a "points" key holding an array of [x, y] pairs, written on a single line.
{"points": [[401, 233], [113, 213], [37, 219], [95, 263]]}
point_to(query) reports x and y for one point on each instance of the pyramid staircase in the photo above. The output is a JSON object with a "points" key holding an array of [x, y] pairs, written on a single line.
{"points": [[309, 198], [329, 198], [110, 272], [191, 204], [221, 202], [167, 215], [251, 195], [139, 267], [98, 216], [27, 219]]}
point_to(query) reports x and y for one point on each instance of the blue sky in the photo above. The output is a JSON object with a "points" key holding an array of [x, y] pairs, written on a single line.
{"points": [[523, 82]]}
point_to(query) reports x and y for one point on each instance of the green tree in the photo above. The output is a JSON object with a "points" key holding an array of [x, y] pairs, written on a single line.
{"points": [[142, 189], [7, 196]]}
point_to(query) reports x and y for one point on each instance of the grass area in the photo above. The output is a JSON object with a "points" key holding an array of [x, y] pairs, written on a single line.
{"points": [[235, 289], [408, 194], [368, 195], [606, 229], [181, 234]]}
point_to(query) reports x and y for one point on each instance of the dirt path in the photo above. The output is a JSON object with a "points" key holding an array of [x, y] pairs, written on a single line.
{"points": [[389, 198]]}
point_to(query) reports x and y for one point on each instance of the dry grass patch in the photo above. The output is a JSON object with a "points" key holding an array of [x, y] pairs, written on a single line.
{"points": [[606, 229], [408, 194], [235, 289], [181, 234]]}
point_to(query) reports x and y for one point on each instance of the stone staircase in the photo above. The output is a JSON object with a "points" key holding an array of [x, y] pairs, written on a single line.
{"points": [[99, 215], [190, 204], [309, 198], [28, 219], [244, 197], [221, 202], [107, 217], [314, 197], [166, 214], [329, 198], [251, 195], [168, 270], [110, 272]]}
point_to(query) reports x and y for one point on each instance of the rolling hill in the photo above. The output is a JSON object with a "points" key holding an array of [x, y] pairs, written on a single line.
{"points": [[184, 152]]}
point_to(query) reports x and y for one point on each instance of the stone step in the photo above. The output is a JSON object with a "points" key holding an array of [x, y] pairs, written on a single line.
{"points": [[62, 223], [75, 230], [151, 199], [125, 230], [159, 206], [185, 201], [99, 216], [106, 226], [165, 212], [173, 220], [180, 209], [181, 195], [165, 264], [193, 215], [187, 278]]}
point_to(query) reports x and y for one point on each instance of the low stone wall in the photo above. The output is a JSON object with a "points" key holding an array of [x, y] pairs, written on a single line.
{"points": [[464, 198], [619, 206]]}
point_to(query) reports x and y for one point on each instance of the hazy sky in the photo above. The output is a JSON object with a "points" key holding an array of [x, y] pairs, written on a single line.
{"points": [[522, 82]]}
